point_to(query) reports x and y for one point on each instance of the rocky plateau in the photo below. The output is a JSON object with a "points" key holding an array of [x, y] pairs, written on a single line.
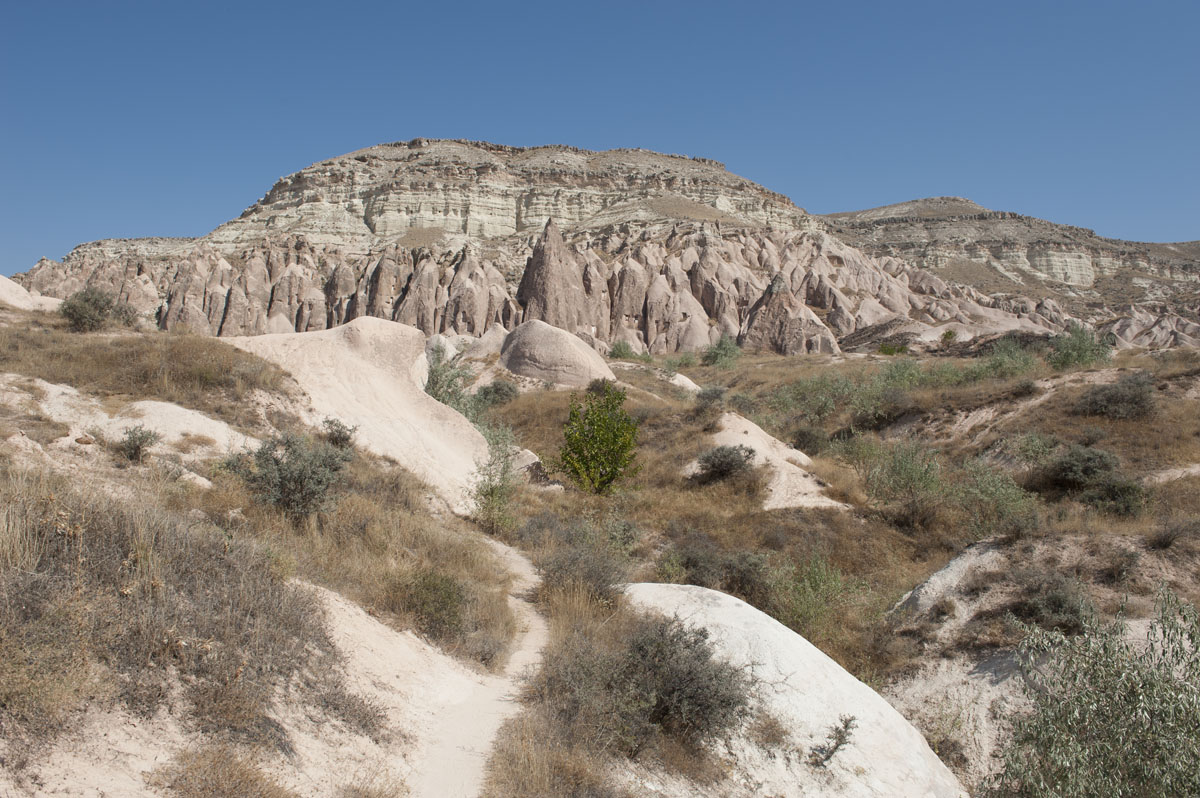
{"points": [[663, 252]]}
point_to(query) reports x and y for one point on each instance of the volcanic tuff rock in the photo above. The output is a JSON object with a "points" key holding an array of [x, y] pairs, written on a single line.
{"points": [[936, 233], [663, 252]]}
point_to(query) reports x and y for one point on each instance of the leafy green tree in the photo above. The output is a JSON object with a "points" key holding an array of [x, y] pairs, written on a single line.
{"points": [[600, 440], [1110, 718]]}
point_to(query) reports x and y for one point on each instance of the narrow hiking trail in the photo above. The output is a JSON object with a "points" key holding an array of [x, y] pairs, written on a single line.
{"points": [[451, 764]]}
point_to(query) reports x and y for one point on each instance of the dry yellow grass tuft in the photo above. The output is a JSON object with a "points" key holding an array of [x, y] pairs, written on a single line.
{"points": [[219, 771], [195, 371]]}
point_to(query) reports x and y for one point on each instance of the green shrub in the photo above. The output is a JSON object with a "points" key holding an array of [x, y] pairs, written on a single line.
{"points": [[1109, 717], [893, 349], [494, 394], [905, 479], [1132, 396], [447, 382], [724, 462], [91, 309], [806, 596], [600, 441], [1079, 468], [339, 434], [994, 504], [684, 360], [293, 472], [1005, 360], [136, 442], [1078, 347], [623, 350], [723, 354], [496, 481]]}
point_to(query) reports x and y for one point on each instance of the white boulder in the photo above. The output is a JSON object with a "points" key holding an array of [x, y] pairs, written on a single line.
{"points": [[808, 693], [541, 352]]}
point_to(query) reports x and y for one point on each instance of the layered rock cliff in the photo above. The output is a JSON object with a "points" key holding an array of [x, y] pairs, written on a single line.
{"points": [[934, 233], [663, 252]]}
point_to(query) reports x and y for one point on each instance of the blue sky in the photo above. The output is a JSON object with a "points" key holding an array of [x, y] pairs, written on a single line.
{"points": [[122, 119]]}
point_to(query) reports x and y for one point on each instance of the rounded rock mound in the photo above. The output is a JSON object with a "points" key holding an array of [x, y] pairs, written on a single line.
{"points": [[541, 352], [809, 694]]}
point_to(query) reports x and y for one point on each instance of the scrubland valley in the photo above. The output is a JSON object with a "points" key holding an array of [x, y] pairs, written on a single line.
{"points": [[699, 495]]}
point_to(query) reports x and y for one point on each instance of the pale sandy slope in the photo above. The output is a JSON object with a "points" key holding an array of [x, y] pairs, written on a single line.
{"points": [[369, 373], [790, 485]]}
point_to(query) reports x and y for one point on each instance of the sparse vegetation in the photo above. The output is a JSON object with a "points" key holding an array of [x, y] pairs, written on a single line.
{"points": [[724, 462], [496, 393], [190, 370], [723, 354], [1131, 397], [496, 481], [91, 309], [136, 442], [447, 382], [1078, 347], [1109, 718], [100, 598], [292, 472], [622, 350]]}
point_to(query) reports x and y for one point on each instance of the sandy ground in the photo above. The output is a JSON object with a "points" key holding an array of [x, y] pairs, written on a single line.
{"points": [[461, 733], [370, 374], [443, 716], [790, 484]]}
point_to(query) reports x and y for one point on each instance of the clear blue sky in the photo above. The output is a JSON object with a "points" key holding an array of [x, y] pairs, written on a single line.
{"points": [[167, 118]]}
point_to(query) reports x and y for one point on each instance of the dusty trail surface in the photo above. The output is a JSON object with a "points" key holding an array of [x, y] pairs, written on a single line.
{"points": [[451, 764]]}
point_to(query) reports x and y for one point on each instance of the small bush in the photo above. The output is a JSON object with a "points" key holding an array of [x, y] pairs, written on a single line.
{"points": [[600, 441], [710, 396], [294, 473], [1167, 535], [1130, 397], [91, 309], [447, 382], [622, 350], [338, 433], [136, 442], [1109, 717], [994, 504], [723, 354], [591, 566], [1115, 495], [1077, 348], [494, 394], [1079, 468], [893, 349], [684, 360], [437, 602], [810, 440], [697, 561], [906, 480], [496, 481], [1051, 601], [657, 677], [724, 462]]}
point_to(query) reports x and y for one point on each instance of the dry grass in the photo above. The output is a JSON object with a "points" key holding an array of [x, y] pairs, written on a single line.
{"points": [[194, 371], [104, 598], [218, 771], [379, 545]]}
